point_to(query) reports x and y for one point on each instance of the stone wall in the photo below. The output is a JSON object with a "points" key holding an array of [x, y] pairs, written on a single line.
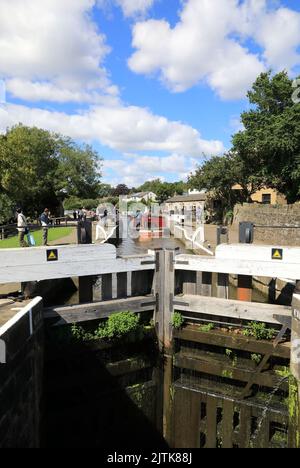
{"points": [[275, 224], [21, 378]]}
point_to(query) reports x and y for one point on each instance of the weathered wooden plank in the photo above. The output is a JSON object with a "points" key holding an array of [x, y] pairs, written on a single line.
{"points": [[222, 285], [164, 289], [227, 424], [204, 283], [260, 253], [233, 342], [83, 313], [128, 366], [189, 282], [266, 379], [245, 427], [211, 426], [66, 253], [234, 265], [85, 289], [122, 285], [233, 309], [23, 265], [107, 293]]}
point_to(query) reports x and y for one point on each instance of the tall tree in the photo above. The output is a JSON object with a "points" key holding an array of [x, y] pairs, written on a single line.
{"points": [[218, 175], [78, 172], [39, 168], [268, 149], [121, 189]]}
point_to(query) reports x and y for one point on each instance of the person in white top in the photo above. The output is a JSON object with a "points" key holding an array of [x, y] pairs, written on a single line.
{"points": [[22, 227]]}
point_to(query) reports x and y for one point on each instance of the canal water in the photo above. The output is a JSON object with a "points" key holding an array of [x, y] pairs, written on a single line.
{"points": [[136, 247]]}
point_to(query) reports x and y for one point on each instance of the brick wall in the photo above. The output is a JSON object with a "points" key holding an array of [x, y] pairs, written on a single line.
{"points": [[21, 379], [278, 222]]}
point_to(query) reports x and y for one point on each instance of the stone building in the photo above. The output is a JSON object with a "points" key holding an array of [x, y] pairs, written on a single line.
{"points": [[193, 203], [266, 196]]}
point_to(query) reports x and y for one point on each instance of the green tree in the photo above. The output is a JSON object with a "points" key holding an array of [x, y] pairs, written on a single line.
{"points": [[121, 189], [105, 190], [6, 209], [268, 149], [218, 175], [39, 169], [78, 172], [163, 190]]}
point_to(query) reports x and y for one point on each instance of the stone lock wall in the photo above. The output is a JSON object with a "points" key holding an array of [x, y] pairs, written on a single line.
{"points": [[21, 378], [280, 223]]}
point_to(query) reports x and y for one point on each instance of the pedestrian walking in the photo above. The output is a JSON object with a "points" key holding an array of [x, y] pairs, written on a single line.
{"points": [[22, 228], [45, 221]]}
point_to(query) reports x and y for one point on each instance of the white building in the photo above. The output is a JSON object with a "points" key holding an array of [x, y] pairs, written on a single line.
{"points": [[142, 196]]}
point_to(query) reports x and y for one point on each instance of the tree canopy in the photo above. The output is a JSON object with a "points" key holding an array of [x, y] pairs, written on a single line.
{"points": [[39, 169], [265, 153], [163, 190], [269, 145]]}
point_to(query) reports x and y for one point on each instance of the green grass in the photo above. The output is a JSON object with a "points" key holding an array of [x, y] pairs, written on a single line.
{"points": [[54, 235]]}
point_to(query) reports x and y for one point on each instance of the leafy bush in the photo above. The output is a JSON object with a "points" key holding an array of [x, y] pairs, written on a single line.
{"points": [[260, 331], [177, 320], [117, 326], [74, 203]]}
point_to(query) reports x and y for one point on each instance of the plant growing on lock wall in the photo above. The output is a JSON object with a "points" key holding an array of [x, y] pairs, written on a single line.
{"points": [[256, 358], [259, 331], [231, 355], [207, 327], [117, 326], [177, 320]]}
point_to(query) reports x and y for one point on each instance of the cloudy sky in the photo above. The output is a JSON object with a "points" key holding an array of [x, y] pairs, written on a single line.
{"points": [[154, 85]]}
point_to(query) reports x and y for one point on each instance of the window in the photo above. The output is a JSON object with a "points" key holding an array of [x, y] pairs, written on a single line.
{"points": [[266, 198]]}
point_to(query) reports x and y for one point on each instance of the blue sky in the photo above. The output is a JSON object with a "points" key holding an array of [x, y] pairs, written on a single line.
{"points": [[155, 86]]}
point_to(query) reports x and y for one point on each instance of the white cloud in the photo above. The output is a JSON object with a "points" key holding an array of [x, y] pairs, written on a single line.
{"points": [[279, 34], [208, 44], [130, 8], [137, 169], [49, 91], [122, 128], [53, 50]]}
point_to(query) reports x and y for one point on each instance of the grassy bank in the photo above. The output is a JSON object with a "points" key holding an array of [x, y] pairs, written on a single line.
{"points": [[55, 234]]}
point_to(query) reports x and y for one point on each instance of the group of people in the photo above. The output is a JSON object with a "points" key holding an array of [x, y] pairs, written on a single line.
{"points": [[80, 215], [23, 228]]}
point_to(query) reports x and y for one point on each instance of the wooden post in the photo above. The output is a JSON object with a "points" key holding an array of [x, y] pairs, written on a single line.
{"points": [[204, 284], [85, 289], [222, 286], [294, 397], [85, 282], [164, 288], [244, 291]]}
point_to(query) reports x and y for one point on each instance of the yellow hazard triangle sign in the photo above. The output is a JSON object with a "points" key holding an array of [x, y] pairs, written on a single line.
{"points": [[277, 254], [52, 255]]}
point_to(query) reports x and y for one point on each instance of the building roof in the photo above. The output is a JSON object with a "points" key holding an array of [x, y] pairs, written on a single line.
{"points": [[188, 198], [142, 194]]}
